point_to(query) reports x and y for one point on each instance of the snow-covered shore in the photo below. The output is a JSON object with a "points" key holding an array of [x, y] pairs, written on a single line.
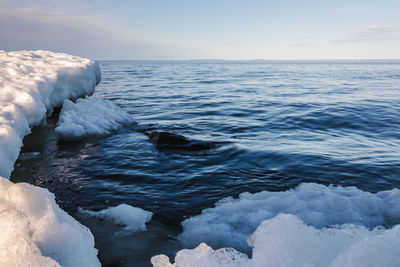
{"points": [[311, 225], [35, 231]]}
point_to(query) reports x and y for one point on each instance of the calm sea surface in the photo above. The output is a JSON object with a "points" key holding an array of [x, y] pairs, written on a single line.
{"points": [[275, 125]]}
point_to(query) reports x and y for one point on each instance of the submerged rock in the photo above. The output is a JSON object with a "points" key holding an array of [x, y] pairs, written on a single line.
{"points": [[165, 140]]}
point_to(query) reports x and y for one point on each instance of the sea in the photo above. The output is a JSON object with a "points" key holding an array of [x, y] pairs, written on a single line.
{"points": [[273, 125]]}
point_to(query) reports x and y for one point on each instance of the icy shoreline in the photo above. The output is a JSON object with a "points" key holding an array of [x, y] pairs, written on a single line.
{"points": [[36, 232], [312, 225]]}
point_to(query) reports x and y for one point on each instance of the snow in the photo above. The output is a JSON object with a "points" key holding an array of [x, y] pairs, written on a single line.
{"points": [[32, 83], [134, 219], [203, 255], [233, 220], [287, 241], [34, 230], [13, 128], [90, 117], [311, 225], [38, 81]]}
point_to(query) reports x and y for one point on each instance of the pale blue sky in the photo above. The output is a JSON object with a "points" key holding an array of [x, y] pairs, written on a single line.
{"points": [[236, 29]]}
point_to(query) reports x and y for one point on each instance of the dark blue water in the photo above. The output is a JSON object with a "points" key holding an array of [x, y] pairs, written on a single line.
{"points": [[275, 125]]}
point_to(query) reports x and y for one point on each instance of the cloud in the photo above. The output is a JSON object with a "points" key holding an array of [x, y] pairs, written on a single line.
{"points": [[91, 35], [299, 26], [372, 32]]}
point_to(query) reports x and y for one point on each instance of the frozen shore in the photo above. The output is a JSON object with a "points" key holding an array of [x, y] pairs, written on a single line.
{"points": [[36, 232], [310, 225]]}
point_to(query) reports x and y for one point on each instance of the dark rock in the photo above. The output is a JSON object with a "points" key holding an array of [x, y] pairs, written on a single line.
{"points": [[165, 140]]}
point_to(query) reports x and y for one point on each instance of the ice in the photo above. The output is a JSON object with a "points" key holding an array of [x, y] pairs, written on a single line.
{"points": [[38, 81], [13, 128], [287, 241], [90, 117], [233, 220], [34, 230], [327, 226], [134, 219], [32, 83], [203, 255]]}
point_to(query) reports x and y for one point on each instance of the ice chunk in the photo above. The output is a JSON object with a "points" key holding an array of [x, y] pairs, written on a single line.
{"points": [[134, 219], [232, 220], [90, 117], [287, 242], [203, 255], [36, 232]]}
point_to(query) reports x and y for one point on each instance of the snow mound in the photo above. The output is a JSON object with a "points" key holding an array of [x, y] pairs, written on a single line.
{"points": [[233, 220], [134, 219], [32, 83], [36, 232], [38, 81], [286, 241], [90, 117]]}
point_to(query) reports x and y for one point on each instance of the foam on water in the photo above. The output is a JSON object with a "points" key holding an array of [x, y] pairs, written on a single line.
{"points": [[90, 117], [133, 218], [233, 220], [287, 241]]}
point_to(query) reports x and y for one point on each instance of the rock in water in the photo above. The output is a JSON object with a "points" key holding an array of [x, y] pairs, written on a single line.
{"points": [[165, 140]]}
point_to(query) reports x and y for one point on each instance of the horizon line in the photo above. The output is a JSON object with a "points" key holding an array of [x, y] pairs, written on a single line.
{"points": [[271, 60]]}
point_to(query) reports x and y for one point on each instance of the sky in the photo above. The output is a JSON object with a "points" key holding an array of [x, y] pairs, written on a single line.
{"points": [[204, 29]]}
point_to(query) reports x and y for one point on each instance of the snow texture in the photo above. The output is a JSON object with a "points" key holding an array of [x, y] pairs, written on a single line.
{"points": [[32, 83], [13, 128], [233, 220], [34, 230], [134, 219], [90, 117], [287, 241]]}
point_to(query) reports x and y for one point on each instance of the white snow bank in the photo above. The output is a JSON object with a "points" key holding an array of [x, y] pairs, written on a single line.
{"points": [[40, 80], [32, 83], [134, 219], [13, 128], [36, 232], [287, 242], [90, 117], [233, 220]]}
